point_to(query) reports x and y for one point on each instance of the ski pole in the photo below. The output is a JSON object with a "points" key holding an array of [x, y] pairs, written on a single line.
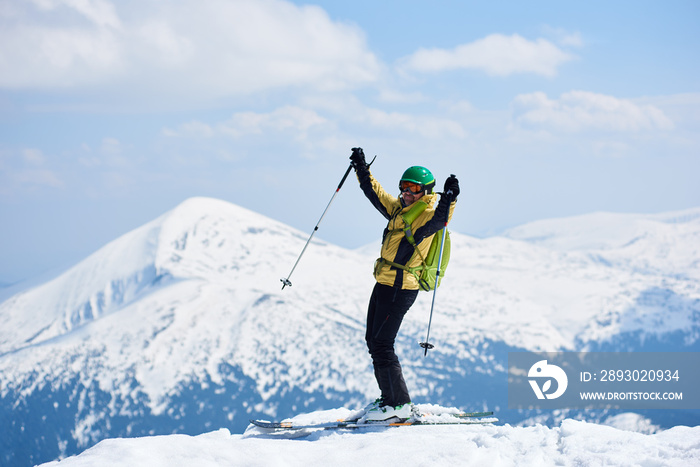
{"points": [[286, 282], [427, 345]]}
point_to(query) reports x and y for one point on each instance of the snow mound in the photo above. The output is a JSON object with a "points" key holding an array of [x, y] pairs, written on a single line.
{"points": [[571, 443], [632, 422]]}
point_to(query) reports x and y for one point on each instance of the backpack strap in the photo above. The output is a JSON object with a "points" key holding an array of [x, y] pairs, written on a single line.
{"points": [[415, 271], [408, 218]]}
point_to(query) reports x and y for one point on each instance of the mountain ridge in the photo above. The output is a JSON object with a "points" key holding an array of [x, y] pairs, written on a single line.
{"points": [[181, 323]]}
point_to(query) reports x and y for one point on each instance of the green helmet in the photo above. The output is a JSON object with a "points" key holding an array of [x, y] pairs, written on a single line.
{"points": [[420, 175]]}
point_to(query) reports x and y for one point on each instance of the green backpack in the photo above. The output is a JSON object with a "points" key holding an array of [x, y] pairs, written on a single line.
{"points": [[427, 271]]}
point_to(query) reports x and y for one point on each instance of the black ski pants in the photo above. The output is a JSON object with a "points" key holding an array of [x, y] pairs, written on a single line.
{"points": [[387, 307]]}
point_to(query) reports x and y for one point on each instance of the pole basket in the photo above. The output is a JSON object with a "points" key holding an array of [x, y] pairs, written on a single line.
{"points": [[427, 346]]}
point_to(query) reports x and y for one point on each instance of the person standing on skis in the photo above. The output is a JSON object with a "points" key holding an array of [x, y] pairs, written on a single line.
{"points": [[396, 288]]}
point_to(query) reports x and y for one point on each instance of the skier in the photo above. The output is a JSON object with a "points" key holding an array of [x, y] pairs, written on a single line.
{"points": [[396, 289]]}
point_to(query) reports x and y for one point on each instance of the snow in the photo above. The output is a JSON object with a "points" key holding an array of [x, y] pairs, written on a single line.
{"points": [[631, 422], [571, 443]]}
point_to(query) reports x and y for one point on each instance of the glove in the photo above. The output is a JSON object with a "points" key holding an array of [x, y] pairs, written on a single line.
{"points": [[358, 159], [452, 185]]}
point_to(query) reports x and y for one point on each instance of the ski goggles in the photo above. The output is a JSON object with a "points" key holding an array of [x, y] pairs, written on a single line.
{"points": [[413, 188]]}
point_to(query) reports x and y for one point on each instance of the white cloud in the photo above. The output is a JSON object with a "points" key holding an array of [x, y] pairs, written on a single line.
{"points": [[683, 109], [571, 40], [201, 48], [294, 120], [111, 146], [578, 111], [110, 154], [285, 119], [193, 129], [98, 12], [393, 96], [37, 177], [564, 37], [33, 157], [315, 129], [423, 125], [29, 171], [495, 54]]}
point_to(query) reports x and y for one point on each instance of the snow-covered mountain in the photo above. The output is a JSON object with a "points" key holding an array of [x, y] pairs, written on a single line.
{"points": [[181, 326], [667, 243]]}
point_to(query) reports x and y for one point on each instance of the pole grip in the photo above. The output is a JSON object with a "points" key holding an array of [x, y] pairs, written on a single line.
{"points": [[347, 172]]}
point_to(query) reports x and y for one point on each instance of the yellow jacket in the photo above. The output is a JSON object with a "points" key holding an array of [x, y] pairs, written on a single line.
{"points": [[395, 246]]}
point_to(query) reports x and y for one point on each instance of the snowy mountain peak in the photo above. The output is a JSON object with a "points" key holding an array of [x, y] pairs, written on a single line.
{"points": [[205, 238], [665, 243], [603, 230], [200, 238]]}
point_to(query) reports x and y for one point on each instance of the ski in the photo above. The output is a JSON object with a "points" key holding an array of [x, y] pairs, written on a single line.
{"points": [[471, 418], [469, 414]]}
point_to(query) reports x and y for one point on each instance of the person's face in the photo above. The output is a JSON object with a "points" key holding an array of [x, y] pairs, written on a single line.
{"points": [[411, 192]]}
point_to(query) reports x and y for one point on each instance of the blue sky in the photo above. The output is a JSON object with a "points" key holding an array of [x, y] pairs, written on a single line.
{"points": [[112, 113]]}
